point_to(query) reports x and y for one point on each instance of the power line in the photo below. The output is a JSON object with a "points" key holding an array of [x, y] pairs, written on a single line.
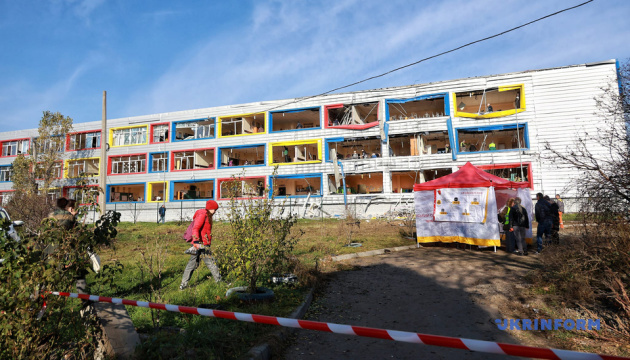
{"points": [[433, 56]]}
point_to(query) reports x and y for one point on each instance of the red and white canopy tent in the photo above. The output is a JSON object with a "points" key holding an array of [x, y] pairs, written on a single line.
{"points": [[463, 206]]}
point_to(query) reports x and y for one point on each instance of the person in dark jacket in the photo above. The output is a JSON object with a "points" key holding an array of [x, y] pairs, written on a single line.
{"points": [[508, 227], [555, 220], [521, 224], [543, 217], [162, 213], [64, 217]]}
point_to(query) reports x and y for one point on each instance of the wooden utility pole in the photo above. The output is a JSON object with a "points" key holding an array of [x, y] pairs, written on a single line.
{"points": [[103, 161]]}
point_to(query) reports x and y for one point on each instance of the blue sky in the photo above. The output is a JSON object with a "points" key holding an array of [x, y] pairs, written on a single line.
{"points": [[162, 56]]}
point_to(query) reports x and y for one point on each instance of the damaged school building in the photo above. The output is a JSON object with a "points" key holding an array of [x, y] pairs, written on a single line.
{"points": [[364, 149]]}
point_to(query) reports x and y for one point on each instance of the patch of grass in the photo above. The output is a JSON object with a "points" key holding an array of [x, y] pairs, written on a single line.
{"points": [[218, 338]]}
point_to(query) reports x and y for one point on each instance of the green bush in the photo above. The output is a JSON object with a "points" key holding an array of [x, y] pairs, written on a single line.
{"points": [[257, 242], [53, 260]]}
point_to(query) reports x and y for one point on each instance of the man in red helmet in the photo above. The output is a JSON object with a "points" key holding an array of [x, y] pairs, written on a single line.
{"points": [[202, 237]]}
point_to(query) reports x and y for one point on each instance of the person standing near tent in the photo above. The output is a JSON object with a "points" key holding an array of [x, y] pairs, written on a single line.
{"points": [[555, 220], [520, 224], [560, 209], [543, 217], [201, 240], [508, 227]]}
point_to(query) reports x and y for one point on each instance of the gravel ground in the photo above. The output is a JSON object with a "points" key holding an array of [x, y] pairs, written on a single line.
{"points": [[434, 290]]}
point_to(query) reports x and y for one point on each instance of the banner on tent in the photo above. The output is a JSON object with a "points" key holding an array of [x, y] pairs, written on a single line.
{"points": [[468, 205]]}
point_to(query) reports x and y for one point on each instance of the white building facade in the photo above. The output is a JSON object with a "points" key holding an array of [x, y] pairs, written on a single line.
{"points": [[384, 141]]}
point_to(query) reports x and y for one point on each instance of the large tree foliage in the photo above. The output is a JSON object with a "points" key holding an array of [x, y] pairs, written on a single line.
{"points": [[35, 172]]}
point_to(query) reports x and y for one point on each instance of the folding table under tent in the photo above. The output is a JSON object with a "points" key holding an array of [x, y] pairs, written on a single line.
{"points": [[462, 207]]}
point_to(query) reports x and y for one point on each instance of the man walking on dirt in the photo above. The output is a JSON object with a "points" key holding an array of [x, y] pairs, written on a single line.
{"points": [[201, 239]]}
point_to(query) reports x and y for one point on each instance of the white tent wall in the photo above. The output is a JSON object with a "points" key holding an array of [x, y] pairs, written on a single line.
{"points": [[486, 234]]}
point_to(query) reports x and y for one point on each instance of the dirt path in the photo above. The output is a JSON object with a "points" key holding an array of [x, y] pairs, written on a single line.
{"points": [[440, 291]]}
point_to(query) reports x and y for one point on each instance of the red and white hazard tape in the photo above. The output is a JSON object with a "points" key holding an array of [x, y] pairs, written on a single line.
{"points": [[404, 336]]}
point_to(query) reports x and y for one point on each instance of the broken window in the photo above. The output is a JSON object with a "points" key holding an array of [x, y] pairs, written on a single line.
{"points": [[129, 136], [242, 188], [417, 108], [157, 191], [5, 196], [193, 159], [84, 196], [5, 173], [367, 183], [56, 170], [301, 185], [126, 193], [194, 129], [51, 195], [403, 181], [159, 133], [242, 124], [242, 155], [420, 144], [191, 190], [490, 102], [15, 147], [296, 152], [356, 148], [295, 119], [84, 140], [159, 162], [433, 174], [514, 172], [52, 144], [352, 115], [127, 164], [77, 167], [493, 138]]}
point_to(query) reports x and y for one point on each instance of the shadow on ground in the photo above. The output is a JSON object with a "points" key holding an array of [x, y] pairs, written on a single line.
{"points": [[438, 291]]}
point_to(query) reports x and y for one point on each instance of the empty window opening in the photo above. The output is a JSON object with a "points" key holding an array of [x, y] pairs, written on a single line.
{"points": [[420, 144], [193, 190], [353, 114], [480, 139], [242, 124], [243, 156], [15, 147], [478, 103], [159, 133], [51, 195], [297, 186], [129, 136], [417, 109], [295, 153], [128, 164], [53, 144], [242, 188], [403, 181], [5, 173], [193, 130], [356, 148], [367, 183], [86, 167], [157, 191], [84, 141], [126, 193], [194, 160], [159, 162], [295, 119]]}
